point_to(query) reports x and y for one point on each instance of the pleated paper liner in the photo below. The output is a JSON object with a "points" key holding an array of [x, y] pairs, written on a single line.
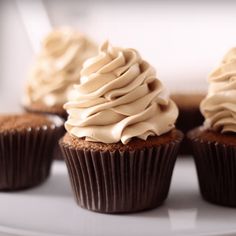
{"points": [[26, 156], [59, 111], [216, 169], [121, 181]]}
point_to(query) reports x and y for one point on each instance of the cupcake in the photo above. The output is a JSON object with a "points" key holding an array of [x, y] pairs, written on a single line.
{"points": [[121, 143], [26, 146], [189, 115], [56, 68], [214, 143]]}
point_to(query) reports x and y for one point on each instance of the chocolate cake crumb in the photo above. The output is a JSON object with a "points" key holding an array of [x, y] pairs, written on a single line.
{"points": [[208, 135], [134, 144], [19, 122]]}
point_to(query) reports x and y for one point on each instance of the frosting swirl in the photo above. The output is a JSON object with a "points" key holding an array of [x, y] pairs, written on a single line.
{"points": [[219, 106], [57, 67], [119, 98]]}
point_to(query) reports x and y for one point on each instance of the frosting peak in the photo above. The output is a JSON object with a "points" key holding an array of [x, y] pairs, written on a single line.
{"points": [[219, 107], [119, 98], [58, 66]]}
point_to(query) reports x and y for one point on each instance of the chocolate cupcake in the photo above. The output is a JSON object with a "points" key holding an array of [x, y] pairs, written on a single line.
{"points": [[56, 69], [121, 144], [26, 147], [189, 115], [214, 144]]}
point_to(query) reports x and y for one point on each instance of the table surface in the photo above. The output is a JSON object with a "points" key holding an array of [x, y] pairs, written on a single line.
{"points": [[50, 209]]}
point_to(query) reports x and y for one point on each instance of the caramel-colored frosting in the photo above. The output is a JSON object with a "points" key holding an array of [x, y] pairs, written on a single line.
{"points": [[119, 98], [58, 67], [219, 107]]}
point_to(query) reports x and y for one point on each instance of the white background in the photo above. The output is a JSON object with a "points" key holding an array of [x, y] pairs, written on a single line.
{"points": [[184, 40]]}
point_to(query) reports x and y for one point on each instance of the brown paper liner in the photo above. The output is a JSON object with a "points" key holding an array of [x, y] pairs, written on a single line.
{"points": [[26, 157], [57, 154], [119, 182], [216, 169]]}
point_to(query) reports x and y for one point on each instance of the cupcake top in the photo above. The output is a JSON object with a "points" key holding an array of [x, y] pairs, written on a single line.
{"points": [[219, 106], [57, 67], [119, 98], [20, 122]]}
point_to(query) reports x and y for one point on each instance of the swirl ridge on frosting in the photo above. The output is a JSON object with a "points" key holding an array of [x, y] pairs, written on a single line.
{"points": [[119, 98], [219, 106], [57, 67]]}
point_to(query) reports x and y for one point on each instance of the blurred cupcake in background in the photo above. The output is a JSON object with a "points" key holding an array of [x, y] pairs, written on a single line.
{"points": [[189, 115], [214, 143], [56, 69], [121, 143]]}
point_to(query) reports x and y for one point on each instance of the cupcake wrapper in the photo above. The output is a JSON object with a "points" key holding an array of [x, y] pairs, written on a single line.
{"points": [[57, 154], [116, 182], [216, 169], [26, 157]]}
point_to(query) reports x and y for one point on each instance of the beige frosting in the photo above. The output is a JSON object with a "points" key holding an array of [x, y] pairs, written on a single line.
{"points": [[57, 67], [119, 98], [219, 107]]}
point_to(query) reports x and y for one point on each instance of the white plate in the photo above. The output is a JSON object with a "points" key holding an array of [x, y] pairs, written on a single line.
{"points": [[51, 210]]}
